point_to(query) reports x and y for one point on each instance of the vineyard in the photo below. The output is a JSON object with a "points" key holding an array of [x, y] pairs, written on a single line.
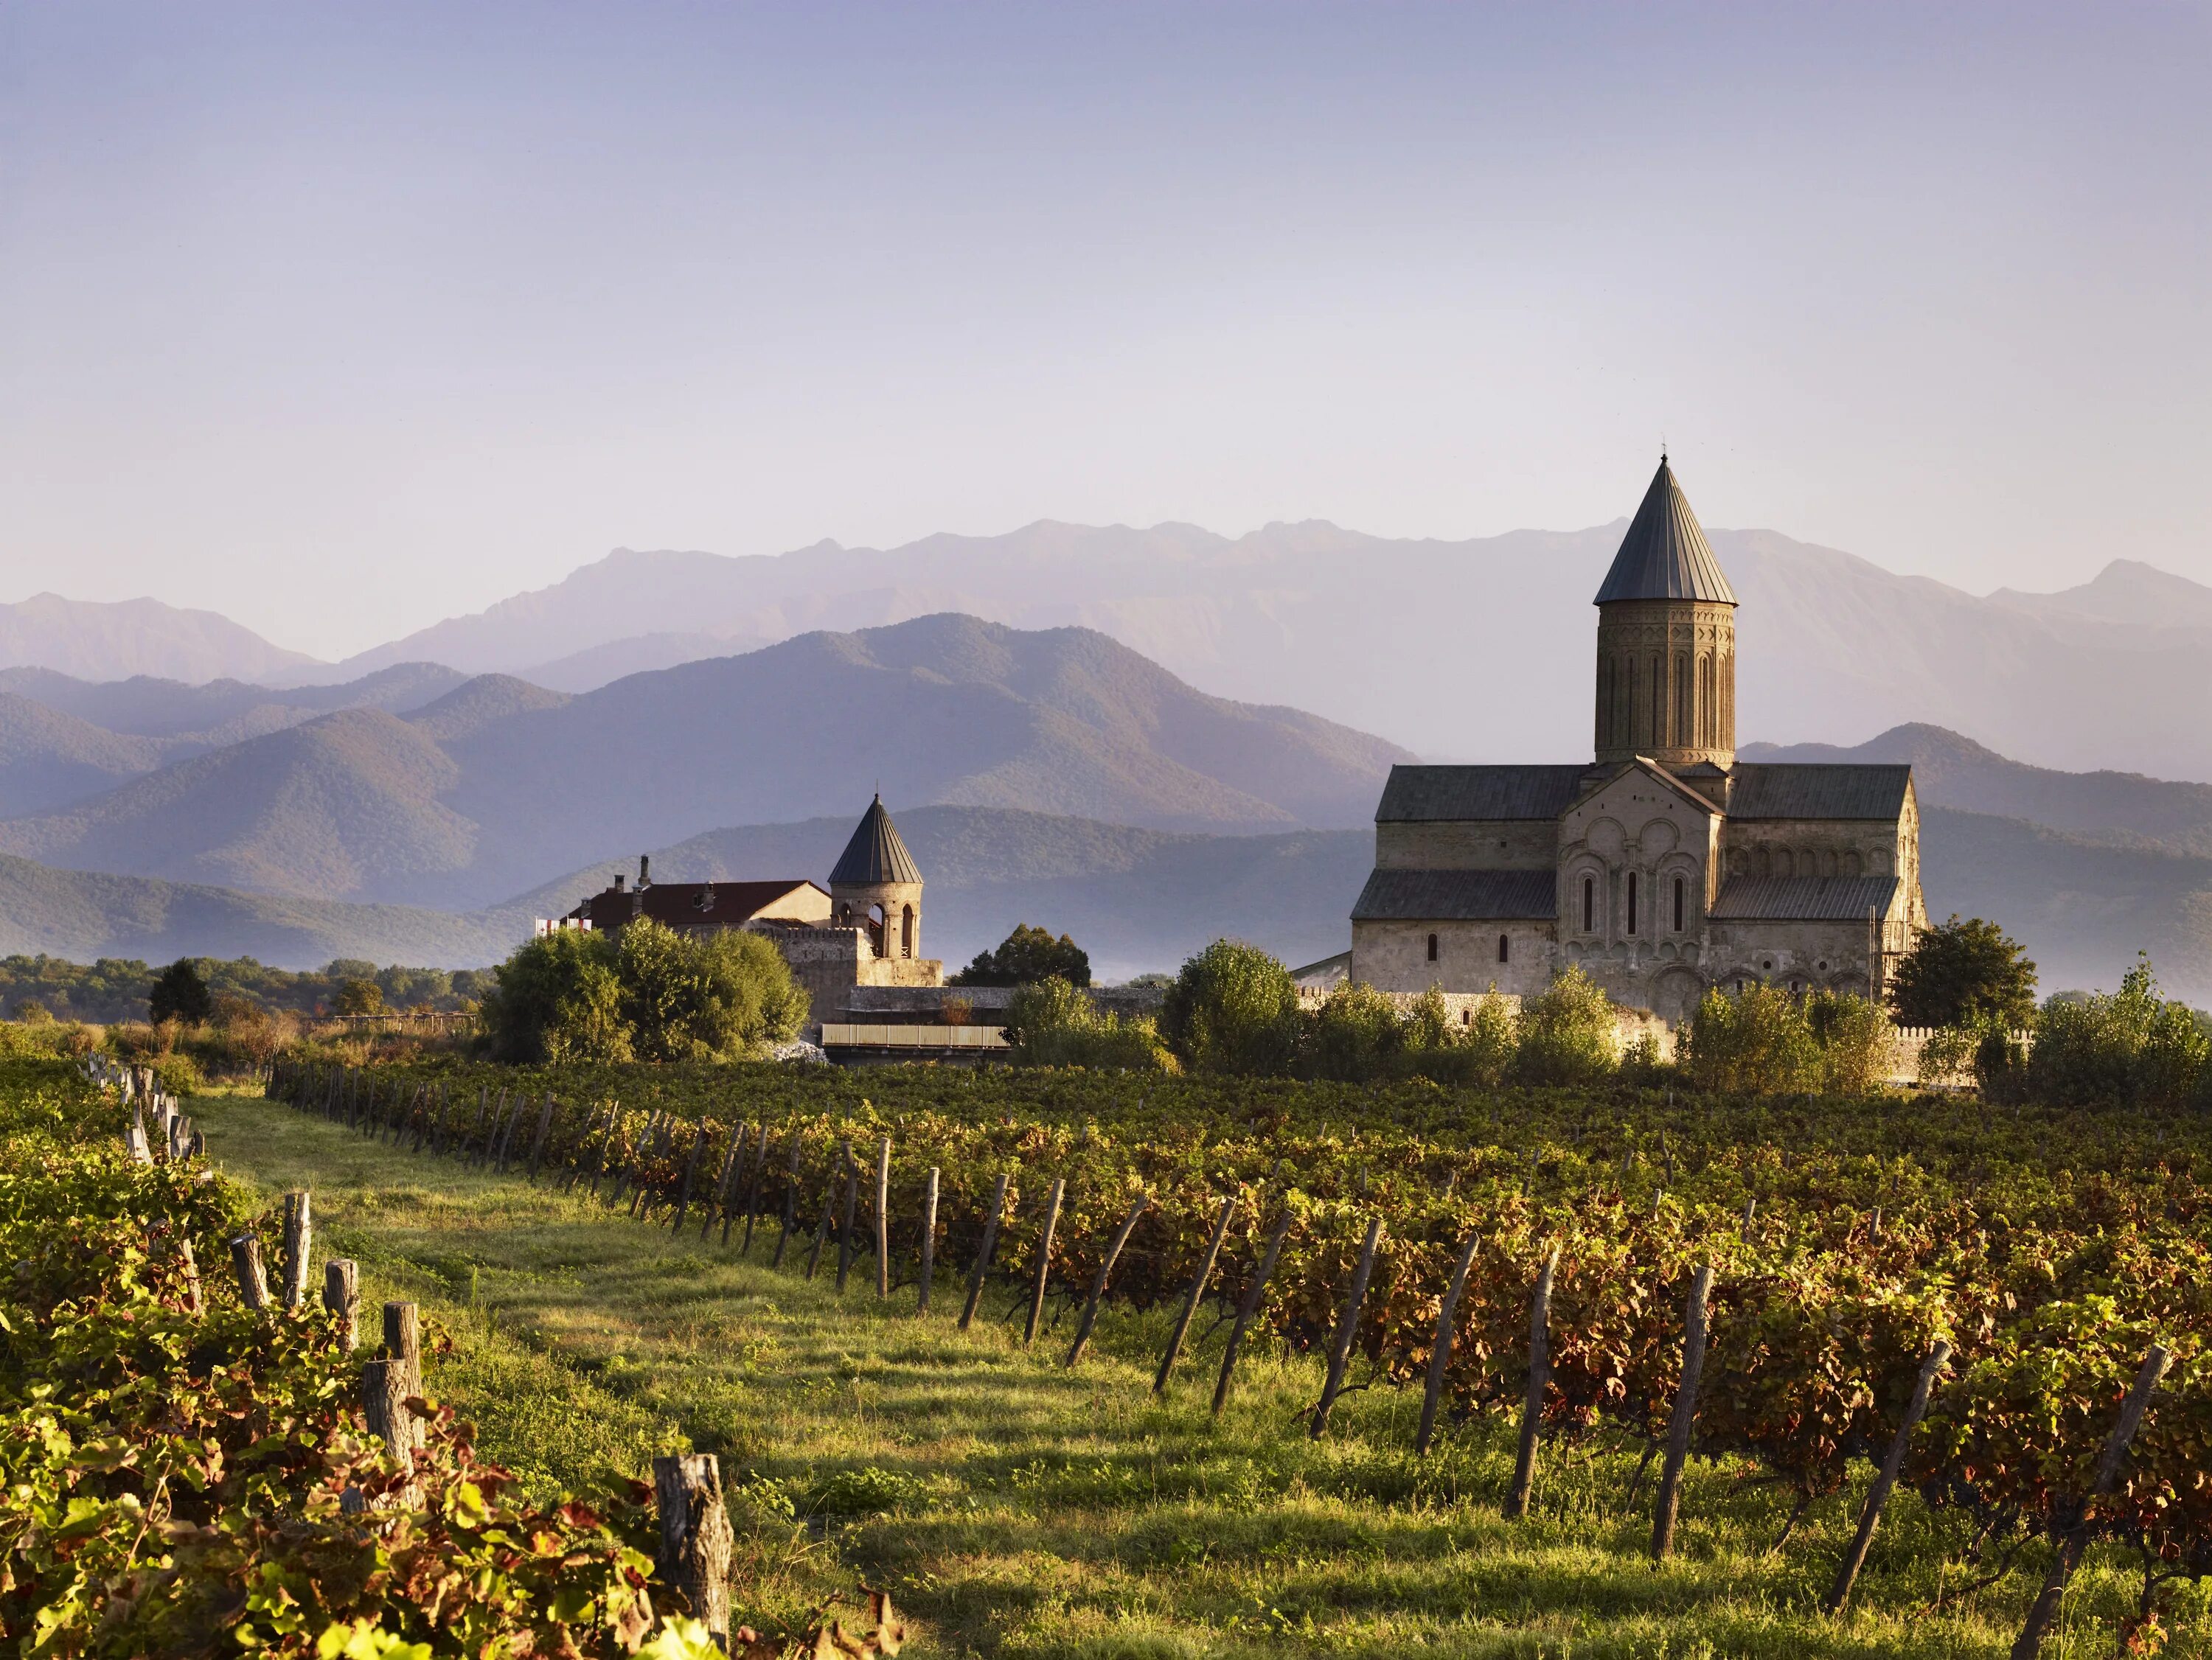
{"points": [[2036, 1283]]}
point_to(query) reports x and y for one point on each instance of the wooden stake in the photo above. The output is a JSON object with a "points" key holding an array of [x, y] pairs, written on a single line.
{"points": [[754, 1187], [190, 1268], [298, 1238], [695, 1539], [884, 1220], [342, 1298], [537, 1144], [1105, 1272], [383, 1392], [822, 1227], [790, 1198], [1173, 1352], [2075, 1539], [928, 1241], [1686, 1413], [245, 1262], [1847, 1572], [851, 1216], [1255, 1293], [982, 1265], [1339, 1354], [1540, 1377], [732, 1156], [1440, 1354], [1043, 1260], [691, 1176]]}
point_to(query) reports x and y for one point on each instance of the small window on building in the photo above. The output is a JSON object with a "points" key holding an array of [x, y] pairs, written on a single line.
{"points": [[1590, 903], [1678, 889], [1632, 901], [1503, 947], [1432, 947]]}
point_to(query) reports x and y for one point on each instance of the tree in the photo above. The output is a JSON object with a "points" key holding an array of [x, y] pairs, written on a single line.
{"points": [[1025, 956], [558, 999], [358, 996], [2129, 1045], [1567, 1034], [179, 994], [1233, 1008], [1964, 973], [712, 996]]}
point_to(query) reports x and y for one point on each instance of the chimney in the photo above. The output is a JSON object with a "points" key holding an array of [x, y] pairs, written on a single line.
{"points": [[619, 880], [644, 869]]}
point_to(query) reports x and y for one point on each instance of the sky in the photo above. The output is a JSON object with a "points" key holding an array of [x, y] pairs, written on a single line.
{"points": [[340, 320]]}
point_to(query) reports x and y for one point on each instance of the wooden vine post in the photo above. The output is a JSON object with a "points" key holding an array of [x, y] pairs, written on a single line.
{"points": [[1347, 1327], [724, 1183], [383, 1392], [1247, 1311], [1181, 1330], [928, 1242], [754, 1189], [403, 1346], [696, 1538], [245, 1262], [342, 1298], [298, 1237], [1686, 1413], [537, 1142], [884, 1220], [690, 1177], [852, 1214], [2075, 1539], [982, 1265], [822, 1227], [1105, 1272], [1043, 1260], [1539, 1378], [1847, 1572], [1440, 1354], [790, 1198]]}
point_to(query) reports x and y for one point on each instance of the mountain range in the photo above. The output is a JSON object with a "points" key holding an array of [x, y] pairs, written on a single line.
{"points": [[1470, 650]]}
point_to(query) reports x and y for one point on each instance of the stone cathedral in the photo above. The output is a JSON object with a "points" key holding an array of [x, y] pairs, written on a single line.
{"points": [[1664, 865]]}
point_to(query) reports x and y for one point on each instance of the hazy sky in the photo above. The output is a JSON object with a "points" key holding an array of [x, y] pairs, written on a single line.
{"points": [[341, 319]]}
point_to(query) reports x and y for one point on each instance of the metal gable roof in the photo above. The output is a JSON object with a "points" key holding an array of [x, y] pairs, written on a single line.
{"points": [[1420, 794], [1806, 790], [876, 854], [1457, 896], [1803, 899], [1665, 554]]}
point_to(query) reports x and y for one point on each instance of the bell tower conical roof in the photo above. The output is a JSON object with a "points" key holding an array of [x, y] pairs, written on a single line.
{"points": [[1665, 554], [876, 854]]}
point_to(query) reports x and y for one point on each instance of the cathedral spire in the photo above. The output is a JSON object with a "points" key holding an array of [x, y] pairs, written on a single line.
{"points": [[1665, 554], [1666, 639]]}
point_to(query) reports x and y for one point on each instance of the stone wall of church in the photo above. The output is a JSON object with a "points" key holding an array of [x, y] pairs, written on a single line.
{"points": [[1796, 956], [1810, 847], [1393, 956], [1468, 844]]}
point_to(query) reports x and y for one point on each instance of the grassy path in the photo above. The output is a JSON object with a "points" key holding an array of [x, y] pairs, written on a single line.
{"points": [[1018, 1508]]}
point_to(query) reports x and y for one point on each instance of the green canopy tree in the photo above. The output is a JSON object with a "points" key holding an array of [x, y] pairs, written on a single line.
{"points": [[1026, 956], [179, 994], [1964, 973], [1233, 1008]]}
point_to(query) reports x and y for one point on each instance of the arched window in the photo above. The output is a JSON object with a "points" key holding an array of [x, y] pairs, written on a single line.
{"points": [[1604, 702], [1589, 905], [1632, 901], [906, 933], [1504, 944], [1683, 732], [1678, 903], [1658, 704], [1432, 947]]}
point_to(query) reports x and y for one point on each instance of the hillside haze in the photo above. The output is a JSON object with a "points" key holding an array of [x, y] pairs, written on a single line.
{"points": [[1477, 649], [499, 785]]}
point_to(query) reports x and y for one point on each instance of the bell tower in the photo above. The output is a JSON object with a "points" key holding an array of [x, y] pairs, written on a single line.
{"points": [[876, 885], [1666, 640]]}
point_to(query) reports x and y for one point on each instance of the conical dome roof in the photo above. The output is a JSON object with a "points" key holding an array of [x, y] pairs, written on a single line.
{"points": [[1665, 554], [875, 854]]}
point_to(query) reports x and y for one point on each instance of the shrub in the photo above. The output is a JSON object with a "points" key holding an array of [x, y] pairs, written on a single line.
{"points": [[652, 993], [1756, 1041], [1964, 974], [1854, 1039], [1567, 1034], [179, 994], [1233, 1008], [558, 999], [1356, 1035], [2129, 1046], [1052, 1023], [1025, 956]]}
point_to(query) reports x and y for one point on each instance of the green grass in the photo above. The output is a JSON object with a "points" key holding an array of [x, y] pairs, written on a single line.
{"points": [[1017, 1508]]}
